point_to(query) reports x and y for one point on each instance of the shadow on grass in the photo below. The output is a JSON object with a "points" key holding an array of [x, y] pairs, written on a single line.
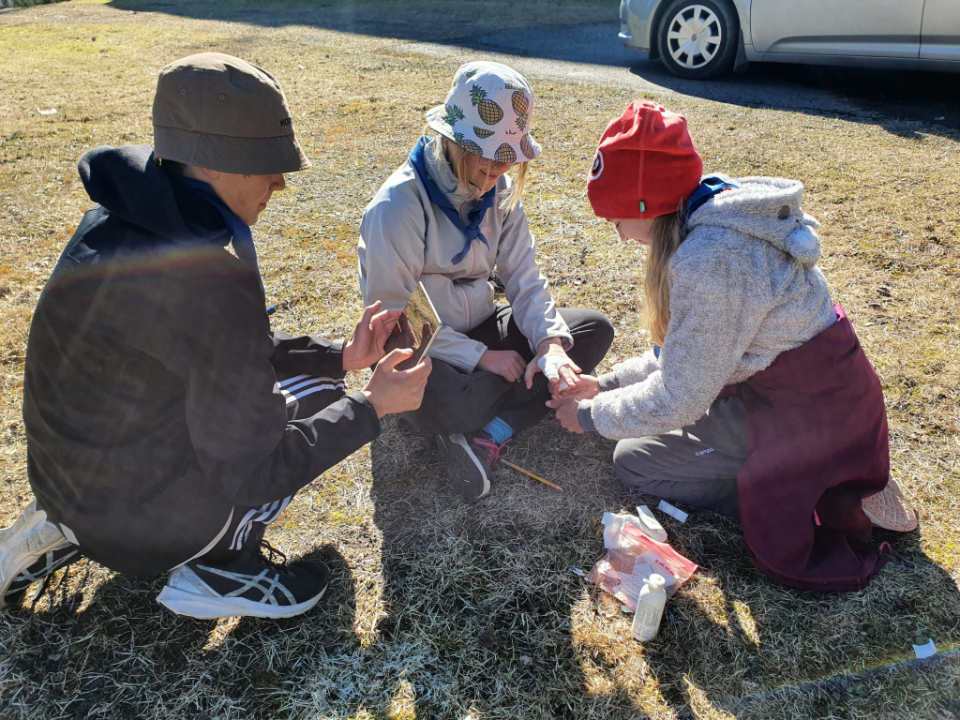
{"points": [[480, 605], [478, 588], [760, 647], [905, 103], [483, 594], [122, 655]]}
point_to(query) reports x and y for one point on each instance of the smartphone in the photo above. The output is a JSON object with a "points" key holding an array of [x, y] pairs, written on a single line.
{"points": [[417, 327]]}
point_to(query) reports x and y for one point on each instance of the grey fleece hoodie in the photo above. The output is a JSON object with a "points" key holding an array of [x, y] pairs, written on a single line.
{"points": [[744, 287]]}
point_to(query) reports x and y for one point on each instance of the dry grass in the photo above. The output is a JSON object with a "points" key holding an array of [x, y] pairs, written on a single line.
{"points": [[443, 609]]}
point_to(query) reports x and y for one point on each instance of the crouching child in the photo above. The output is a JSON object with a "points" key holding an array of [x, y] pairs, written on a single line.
{"points": [[166, 424]]}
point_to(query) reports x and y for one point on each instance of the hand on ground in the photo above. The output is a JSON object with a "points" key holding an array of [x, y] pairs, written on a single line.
{"points": [[366, 345], [395, 391], [567, 413], [505, 363]]}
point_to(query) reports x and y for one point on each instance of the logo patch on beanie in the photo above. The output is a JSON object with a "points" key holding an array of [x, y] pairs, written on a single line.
{"points": [[597, 169]]}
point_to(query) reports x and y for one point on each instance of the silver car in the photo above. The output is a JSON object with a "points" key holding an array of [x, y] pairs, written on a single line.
{"points": [[705, 38]]}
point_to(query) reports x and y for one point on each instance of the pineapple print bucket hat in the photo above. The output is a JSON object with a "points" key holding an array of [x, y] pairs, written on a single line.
{"points": [[488, 112]]}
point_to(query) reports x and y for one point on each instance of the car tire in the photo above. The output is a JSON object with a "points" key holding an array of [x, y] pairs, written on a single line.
{"points": [[698, 39]]}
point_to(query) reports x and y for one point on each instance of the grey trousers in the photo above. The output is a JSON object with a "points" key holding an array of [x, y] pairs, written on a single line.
{"points": [[696, 465]]}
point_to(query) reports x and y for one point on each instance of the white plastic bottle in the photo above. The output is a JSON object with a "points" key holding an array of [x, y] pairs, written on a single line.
{"points": [[650, 604]]}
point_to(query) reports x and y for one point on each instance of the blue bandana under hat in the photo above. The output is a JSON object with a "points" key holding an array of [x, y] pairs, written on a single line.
{"points": [[472, 228], [708, 187]]}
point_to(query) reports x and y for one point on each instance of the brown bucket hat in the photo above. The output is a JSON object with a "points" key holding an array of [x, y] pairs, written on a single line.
{"points": [[222, 113]]}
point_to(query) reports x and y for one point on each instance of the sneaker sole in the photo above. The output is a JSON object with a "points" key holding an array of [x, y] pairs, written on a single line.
{"points": [[23, 543], [202, 607], [456, 450]]}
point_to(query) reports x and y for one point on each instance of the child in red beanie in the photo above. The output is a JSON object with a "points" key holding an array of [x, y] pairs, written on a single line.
{"points": [[756, 401]]}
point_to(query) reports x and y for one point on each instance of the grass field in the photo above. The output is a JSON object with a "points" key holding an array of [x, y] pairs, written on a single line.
{"points": [[441, 608]]}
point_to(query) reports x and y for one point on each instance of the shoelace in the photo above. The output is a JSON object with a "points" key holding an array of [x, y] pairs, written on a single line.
{"points": [[273, 551], [494, 451]]}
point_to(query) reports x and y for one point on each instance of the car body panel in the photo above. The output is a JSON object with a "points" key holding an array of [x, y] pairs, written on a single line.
{"points": [[874, 28], [940, 32]]}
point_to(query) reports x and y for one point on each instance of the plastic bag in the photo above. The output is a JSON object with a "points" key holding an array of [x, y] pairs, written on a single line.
{"points": [[622, 572]]}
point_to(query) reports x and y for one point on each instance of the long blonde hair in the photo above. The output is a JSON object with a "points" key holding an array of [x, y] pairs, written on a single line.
{"points": [[447, 151], [667, 233]]}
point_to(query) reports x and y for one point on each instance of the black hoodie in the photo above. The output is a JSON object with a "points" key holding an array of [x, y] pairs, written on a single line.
{"points": [[151, 403]]}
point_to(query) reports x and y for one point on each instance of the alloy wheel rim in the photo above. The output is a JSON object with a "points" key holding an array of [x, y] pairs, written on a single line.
{"points": [[693, 37]]}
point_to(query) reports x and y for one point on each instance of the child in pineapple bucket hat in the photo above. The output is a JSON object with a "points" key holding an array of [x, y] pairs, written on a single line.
{"points": [[166, 424], [450, 217], [757, 400], [488, 112]]}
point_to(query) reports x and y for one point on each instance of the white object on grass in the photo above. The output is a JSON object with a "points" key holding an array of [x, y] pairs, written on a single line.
{"points": [[650, 525], [925, 651], [650, 606], [672, 511], [577, 571], [613, 523], [51, 111]]}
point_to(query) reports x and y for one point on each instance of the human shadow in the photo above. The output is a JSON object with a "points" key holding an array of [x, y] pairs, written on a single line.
{"points": [[481, 593], [740, 642], [98, 644]]}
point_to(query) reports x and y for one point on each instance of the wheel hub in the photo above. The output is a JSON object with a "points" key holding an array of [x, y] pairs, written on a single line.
{"points": [[694, 36]]}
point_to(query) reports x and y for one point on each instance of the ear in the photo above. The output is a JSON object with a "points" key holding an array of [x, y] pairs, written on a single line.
{"points": [[210, 174]]}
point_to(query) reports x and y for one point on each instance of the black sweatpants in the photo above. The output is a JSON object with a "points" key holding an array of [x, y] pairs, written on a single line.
{"points": [[306, 395], [456, 401]]}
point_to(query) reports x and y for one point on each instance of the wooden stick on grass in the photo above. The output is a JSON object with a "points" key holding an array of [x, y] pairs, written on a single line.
{"points": [[530, 474]]}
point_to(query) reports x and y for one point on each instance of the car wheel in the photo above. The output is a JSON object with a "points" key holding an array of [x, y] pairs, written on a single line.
{"points": [[698, 38]]}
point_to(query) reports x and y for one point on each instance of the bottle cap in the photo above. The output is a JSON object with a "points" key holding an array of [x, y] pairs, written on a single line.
{"points": [[656, 582]]}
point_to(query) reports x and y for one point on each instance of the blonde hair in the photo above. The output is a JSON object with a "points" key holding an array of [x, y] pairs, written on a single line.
{"points": [[667, 233], [448, 152]]}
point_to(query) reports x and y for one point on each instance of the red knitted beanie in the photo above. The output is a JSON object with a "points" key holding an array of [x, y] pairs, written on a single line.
{"points": [[645, 165]]}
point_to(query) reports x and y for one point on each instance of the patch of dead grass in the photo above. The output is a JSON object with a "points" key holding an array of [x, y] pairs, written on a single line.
{"points": [[442, 608]]}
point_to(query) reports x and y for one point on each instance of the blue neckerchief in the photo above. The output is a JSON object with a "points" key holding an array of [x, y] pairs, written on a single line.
{"points": [[242, 235], [472, 228], [708, 187]]}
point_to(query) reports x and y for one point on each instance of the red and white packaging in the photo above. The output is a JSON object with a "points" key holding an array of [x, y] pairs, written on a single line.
{"points": [[622, 572]]}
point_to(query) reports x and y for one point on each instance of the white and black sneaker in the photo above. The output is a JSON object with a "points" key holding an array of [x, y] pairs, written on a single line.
{"points": [[42, 569], [249, 585], [30, 549], [466, 457]]}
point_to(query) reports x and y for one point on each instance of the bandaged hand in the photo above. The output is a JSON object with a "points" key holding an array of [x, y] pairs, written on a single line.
{"points": [[550, 365], [556, 367]]}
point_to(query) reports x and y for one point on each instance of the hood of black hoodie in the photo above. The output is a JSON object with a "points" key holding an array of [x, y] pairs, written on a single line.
{"points": [[131, 185]]}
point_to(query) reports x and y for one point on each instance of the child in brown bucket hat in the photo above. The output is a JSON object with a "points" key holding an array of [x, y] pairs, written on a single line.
{"points": [[166, 425]]}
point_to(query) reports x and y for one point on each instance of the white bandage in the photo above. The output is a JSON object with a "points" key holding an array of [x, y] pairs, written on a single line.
{"points": [[551, 363]]}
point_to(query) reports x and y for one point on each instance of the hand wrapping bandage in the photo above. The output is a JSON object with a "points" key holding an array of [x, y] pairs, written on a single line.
{"points": [[550, 365]]}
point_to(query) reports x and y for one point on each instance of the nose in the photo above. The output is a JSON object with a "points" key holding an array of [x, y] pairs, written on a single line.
{"points": [[278, 183]]}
